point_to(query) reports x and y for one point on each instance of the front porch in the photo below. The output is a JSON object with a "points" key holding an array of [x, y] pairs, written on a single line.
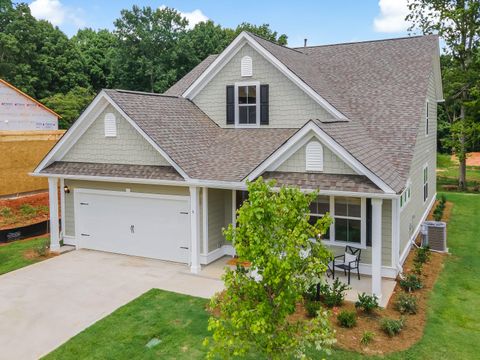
{"points": [[216, 269]]}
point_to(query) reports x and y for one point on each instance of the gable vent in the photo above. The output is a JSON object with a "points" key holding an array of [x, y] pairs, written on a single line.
{"points": [[246, 66], [110, 123], [314, 156]]}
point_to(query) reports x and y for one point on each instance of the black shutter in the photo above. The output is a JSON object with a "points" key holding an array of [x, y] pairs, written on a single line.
{"points": [[264, 104], [230, 105], [369, 222]]}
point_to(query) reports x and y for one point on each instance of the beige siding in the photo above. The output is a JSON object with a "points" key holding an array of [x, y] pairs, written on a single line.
{"points": [[290, 107], [218, 216], [366, 257], [128, 147], [425, 152], [140, 188], [332, 164]]}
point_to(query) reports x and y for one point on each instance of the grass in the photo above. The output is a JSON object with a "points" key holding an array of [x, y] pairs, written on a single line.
{"points": [[447, 173], [178, 321], [12, 255], [452, 330]]}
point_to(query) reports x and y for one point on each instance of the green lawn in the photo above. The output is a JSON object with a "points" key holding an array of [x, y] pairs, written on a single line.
{"points": [[447, 172], [180, 322], [12, 254]]}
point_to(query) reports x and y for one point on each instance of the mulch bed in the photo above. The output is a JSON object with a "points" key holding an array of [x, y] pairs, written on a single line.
{"points": [[39, 201]]}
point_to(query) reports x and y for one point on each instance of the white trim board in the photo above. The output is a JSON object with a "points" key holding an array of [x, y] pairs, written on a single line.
{"points": [[229, 53], [298, 139], [101, 101]]}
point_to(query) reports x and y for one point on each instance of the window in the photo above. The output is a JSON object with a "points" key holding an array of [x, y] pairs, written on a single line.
{"points": [[405, 197], [425, 183], [246, 66], [427, 117], [314, 156], [110, 125], [318, 209], [247, 104]]}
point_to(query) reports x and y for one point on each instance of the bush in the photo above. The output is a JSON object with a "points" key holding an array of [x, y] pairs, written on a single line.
{"points": [[28, 210], [42, 248], [411, 282], [347, 319], [406, 304], [333, 295], [422, 255], [6, 212], [392, 327], [417, 268], [312, 308], [367, 337], [366, 302]]}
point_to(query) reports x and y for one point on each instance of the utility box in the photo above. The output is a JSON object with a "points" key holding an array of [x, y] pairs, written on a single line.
{"points": [[435, 235]]}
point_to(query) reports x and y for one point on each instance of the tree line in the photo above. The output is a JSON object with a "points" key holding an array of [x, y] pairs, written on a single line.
{"points": [[148, 50]]}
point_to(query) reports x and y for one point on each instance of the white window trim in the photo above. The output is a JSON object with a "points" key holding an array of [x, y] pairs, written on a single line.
{"points": [[247, 83], [425, 167], [363, 226], [427, 117], [406, 195]]}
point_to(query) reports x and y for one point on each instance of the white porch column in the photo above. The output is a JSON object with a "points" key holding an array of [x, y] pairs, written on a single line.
{"points": [[205, 219], [194, 225], [377, 247], [62, 208], [234, 208], [53, 203]]}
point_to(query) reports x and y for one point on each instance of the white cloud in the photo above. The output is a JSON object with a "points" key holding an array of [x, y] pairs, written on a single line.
{"points": [[194, 17], [56, 13], [392, 16]]}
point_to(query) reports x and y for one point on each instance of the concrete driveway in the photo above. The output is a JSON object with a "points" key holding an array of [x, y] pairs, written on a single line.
{"points": [[45, 304]]}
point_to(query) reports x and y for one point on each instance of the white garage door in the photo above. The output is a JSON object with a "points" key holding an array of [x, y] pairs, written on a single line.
{"points": [[153, 226]]}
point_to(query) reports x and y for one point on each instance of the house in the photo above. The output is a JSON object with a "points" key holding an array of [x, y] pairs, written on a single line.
{"points": [[160, 175], [20, 112]]}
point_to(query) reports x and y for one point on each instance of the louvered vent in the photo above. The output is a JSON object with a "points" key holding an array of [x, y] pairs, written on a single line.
{"points": [[110, 125], [246, 66], [314, 156]]}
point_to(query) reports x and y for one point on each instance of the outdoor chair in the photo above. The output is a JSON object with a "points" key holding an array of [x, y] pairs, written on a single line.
{"points": [[349, 261]]}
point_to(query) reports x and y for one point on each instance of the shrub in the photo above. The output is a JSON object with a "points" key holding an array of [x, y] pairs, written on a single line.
{"points": [[312, 308], [422, 255], [28, 210], [443, 199], [406, 304], [367, 337], [392, 327], [42, 248], [347, 319], [411, 282], [366, 302], [333, 295], [417, 268], [6, 212]]}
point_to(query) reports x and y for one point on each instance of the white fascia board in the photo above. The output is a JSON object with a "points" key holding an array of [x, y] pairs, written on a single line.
{"points": [[72, 134], [352, 194], [148, 138], [356, 165], [232, 49]]}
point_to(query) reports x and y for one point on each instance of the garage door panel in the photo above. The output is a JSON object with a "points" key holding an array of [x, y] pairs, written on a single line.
{"points": [[142, 226]]}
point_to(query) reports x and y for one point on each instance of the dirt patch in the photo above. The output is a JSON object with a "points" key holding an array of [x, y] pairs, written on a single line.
{"points": [[22, 211], [473, 159]]}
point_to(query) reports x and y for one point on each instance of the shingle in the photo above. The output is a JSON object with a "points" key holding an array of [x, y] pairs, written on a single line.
{"points": [[113, 170]]}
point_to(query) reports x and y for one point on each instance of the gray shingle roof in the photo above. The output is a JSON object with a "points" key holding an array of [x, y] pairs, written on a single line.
{"points": [[200, 147], [113, 170], [320, 181], [380, 86]]}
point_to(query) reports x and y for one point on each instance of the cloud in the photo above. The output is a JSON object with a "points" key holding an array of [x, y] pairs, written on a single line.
{"points": [[194, 17], [56, 13], [392, 16]]}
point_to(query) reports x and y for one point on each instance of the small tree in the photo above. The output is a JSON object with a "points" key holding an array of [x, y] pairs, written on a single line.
{"points": [[274, 235]]}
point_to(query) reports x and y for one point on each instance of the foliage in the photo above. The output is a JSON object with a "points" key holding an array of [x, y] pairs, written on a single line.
{"points": [[406, 304], [12, 254], [417, 268], [367, 337], [347, 319], [334, 294], [392, 327], [28, 210], [42, 248], [422, 255], [439, 209], [411, 282], [274, 235], [312, 307], [69, 105], [6, 212], [366, 302]]}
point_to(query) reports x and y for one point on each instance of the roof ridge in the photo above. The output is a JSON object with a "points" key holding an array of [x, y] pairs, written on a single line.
{"points": [[365, 41], [142, 93]]}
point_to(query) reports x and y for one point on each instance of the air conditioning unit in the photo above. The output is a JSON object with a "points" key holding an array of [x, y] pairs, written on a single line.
{"points": [[435, 235]]}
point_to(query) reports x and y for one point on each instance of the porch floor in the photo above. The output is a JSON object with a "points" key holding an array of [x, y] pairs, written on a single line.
{"points": [[216, 270]]}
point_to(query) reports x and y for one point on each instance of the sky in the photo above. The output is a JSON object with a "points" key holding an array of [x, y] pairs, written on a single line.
{"points": [[321, 21]]}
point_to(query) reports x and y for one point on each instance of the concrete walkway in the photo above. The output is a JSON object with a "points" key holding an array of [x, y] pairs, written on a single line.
{"points": [[45, 304]]}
